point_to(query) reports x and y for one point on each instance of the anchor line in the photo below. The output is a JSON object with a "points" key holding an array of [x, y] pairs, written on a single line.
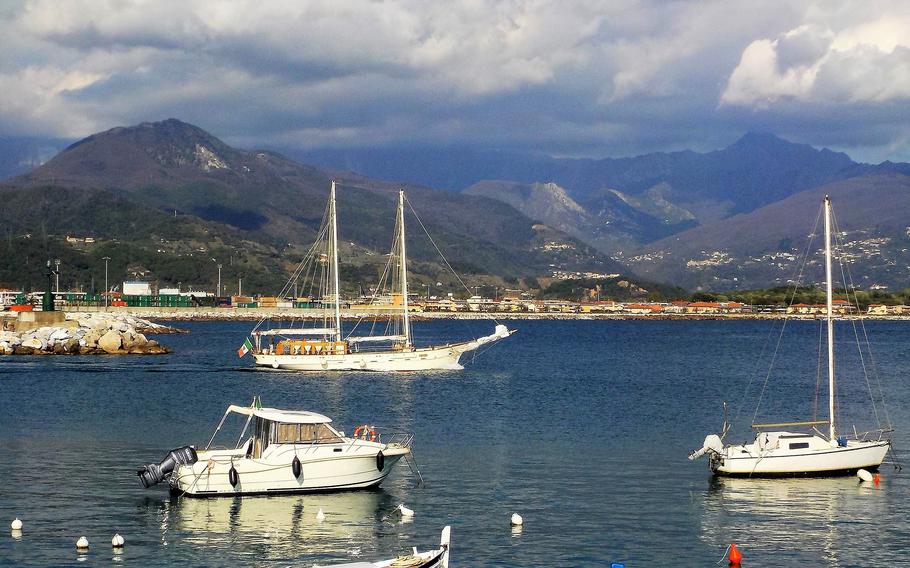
{"points": [[725, 554], [413, 466]]}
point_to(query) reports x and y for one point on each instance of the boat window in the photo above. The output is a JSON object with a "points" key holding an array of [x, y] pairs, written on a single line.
{"points": [[306, 434], [318, 434], [288, 433], [799, 445]]}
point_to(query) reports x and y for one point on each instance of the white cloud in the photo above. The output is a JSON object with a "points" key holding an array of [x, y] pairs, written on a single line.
{"points": [[580, 76], [863, 62], [30, 97]]}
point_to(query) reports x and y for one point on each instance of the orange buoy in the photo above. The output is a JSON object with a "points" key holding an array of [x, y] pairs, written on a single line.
{"points": [[877, 479], [735, 556]]}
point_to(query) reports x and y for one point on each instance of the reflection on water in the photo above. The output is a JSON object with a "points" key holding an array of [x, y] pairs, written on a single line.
{"points": [[278, 527], [581, 427], [782, 518]]}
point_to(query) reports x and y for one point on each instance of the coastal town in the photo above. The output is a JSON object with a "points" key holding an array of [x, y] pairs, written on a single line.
{"points": [[138, 298]]}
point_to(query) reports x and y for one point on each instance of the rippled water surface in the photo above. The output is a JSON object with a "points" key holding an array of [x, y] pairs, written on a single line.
{"points": [[583, 427]]}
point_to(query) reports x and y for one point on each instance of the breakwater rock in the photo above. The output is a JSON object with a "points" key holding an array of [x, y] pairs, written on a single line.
{"points": [[140, 325], [92, 336]]}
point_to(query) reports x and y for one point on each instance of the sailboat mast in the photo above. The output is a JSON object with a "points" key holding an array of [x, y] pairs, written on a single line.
{"points": [[403, 275], [335, 281], [830, 318]]}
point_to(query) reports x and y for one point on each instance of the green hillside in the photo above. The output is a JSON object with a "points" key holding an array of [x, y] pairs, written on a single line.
{"points": [[164, 198]]}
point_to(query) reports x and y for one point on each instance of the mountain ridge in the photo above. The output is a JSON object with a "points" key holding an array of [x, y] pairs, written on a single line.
{"points": [[265, 198], [761, 248], [632, 201]]}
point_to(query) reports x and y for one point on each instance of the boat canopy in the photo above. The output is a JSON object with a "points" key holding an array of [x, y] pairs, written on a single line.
{"points": [[299, 331], [367, 338], [285, 416]]}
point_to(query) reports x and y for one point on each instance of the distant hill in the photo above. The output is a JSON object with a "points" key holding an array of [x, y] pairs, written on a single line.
{"points": [[20, 154], [625, 202], [139, 240], [761, 248], [263, 207], [610, 221]]}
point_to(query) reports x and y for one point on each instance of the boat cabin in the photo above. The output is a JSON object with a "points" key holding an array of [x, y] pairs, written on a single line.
{"points": [[271, 426], [306, 347], [790, 441]]}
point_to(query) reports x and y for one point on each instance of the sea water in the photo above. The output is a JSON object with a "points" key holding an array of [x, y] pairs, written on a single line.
{"points": [[582, 427]]}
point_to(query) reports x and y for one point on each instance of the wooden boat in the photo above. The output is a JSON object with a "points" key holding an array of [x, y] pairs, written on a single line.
{"points": [[436, 558], [326, 348]]}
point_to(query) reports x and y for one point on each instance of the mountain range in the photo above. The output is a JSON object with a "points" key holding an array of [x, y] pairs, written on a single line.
{"points": [[768, 246], [166, 199], [681, 217]]}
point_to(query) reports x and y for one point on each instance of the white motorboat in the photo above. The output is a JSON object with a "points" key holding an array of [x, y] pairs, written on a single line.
{"points": [[807, 451], [287, 451], [326, 348], [437, 558]]}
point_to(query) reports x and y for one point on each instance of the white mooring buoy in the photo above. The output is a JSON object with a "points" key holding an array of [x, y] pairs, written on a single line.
{"points": [[117, 541], [864, 475], [405, 512], [517, 521], [320, 516], [16, 525], [82, 543]]}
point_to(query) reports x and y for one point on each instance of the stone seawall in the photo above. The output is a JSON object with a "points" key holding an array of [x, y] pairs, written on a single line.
{"points": [[84, 334]]}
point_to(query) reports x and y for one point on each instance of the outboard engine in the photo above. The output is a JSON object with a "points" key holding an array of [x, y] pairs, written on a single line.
{"points": [[152, 474], [712, 444]]}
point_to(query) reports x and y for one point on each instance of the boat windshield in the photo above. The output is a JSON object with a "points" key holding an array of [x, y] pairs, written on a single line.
{"points": [[260, 441], [306, 434]]}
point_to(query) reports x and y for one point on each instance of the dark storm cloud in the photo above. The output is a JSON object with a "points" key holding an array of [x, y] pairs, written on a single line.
{"points": [[569, 78]]}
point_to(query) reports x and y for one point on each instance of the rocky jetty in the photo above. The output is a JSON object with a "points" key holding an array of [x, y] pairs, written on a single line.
{"points": [[96, 334], [140, 325]]}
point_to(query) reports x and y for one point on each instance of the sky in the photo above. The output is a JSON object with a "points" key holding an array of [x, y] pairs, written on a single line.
{"points": [[567, 78]]}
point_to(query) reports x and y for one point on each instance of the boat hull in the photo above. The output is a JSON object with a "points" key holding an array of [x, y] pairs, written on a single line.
{"points": [[432, 358], [740, 461], [332, 467]]}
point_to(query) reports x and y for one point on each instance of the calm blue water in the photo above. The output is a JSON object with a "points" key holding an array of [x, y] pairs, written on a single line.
{"points": [[583, 427]]}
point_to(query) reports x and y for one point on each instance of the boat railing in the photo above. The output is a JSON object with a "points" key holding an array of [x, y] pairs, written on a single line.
{"points": [[876, 435], [403, 439]]}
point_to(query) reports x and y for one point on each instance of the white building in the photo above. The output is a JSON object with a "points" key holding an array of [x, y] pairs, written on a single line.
{"points": [[8, 297], [136, 288]]}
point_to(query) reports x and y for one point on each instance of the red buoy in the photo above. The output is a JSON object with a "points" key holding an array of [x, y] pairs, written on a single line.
{"points": [[735, 556], [877, 479]]}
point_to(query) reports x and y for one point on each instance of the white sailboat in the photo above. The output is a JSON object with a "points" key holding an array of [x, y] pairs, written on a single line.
{"points": [[327, 349], [787, 453]]}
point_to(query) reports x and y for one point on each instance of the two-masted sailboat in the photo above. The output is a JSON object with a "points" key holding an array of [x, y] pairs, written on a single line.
{"points": [[809, 451], [327, 348]]}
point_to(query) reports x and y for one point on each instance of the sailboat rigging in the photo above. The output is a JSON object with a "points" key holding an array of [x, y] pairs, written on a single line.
{"points": [[788, 453], [326, 348]]}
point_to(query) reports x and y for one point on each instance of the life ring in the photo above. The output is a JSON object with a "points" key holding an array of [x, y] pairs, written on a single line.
{"points": [[365, 432]]}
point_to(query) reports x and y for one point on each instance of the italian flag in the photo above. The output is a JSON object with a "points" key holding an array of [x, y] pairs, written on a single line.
{"points": [[245, 348]]}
